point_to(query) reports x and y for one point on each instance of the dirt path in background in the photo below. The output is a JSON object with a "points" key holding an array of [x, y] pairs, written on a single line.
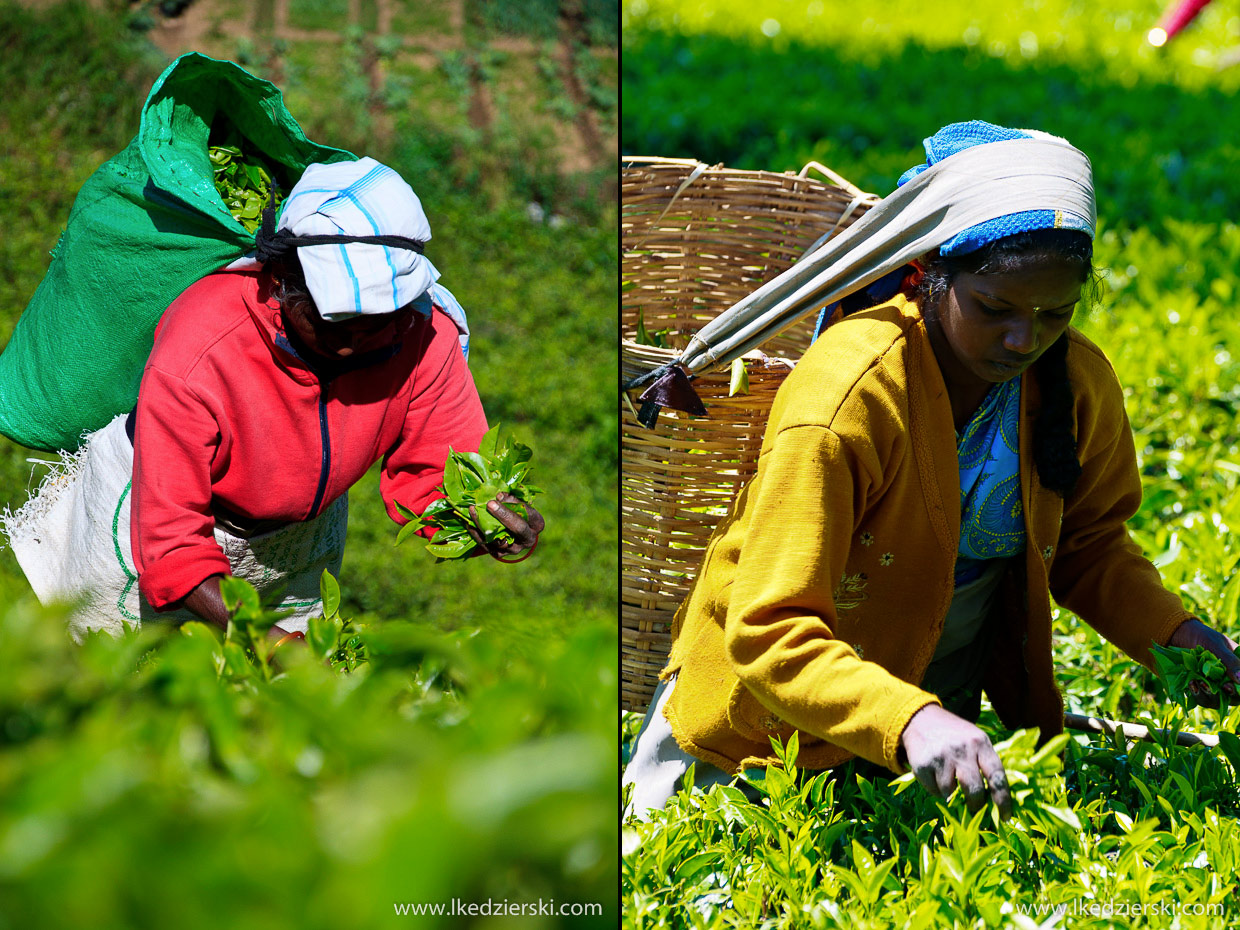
{"points": [[573, 35], [582, 147]]}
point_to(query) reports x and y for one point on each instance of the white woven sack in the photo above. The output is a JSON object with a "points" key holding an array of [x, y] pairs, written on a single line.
{"points": [[72, 541]]}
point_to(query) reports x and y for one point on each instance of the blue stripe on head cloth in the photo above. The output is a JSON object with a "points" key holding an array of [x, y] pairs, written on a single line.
{"points": [[359, 198], [956, 137]]}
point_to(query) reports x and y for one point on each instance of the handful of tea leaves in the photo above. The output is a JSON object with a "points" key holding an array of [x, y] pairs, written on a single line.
{"points": [[1178, 667], [244, 184], [472, 478]]}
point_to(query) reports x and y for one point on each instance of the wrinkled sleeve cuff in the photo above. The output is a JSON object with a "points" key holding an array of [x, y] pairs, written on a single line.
{"points": [[1162, 634], [891, 740], [172, 578]]}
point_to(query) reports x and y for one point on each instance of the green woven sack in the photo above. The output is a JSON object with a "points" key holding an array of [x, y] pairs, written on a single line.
{"points": [[144, 227]]}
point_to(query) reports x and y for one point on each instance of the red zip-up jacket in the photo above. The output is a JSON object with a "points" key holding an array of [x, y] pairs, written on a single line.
{"points": [[229, 415]]}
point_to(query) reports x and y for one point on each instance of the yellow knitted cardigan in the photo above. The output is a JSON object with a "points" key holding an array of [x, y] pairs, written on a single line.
{"points": [[822, 594]]}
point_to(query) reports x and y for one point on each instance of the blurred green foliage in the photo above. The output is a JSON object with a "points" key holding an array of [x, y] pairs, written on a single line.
{"points": [[331, 15], [536, 18], [858, 88], [162, 779], [540, 19]]}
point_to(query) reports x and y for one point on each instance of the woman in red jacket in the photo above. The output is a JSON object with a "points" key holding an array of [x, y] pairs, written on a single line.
{"points": [[275, 384]]}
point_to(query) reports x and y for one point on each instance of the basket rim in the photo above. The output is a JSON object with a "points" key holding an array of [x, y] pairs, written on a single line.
{"points": [[836, 180]]}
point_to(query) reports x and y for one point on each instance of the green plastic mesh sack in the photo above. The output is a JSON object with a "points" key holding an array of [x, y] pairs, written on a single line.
{"points": [[144, 227]]}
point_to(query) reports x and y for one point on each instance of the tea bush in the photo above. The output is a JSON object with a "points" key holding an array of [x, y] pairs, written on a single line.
{"points": [[167, 778], [1114, 835], [1136, 828]]}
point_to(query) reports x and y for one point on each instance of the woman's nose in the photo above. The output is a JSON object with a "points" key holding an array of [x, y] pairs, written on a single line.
{"points": [[1021, 337]]}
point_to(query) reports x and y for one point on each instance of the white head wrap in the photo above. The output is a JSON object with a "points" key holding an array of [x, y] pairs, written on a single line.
{"points": [[973, 186], [359, 198]]}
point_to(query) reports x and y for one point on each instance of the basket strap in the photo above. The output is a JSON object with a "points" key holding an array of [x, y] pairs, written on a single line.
{"points": [[860, 199], [973, 186]]}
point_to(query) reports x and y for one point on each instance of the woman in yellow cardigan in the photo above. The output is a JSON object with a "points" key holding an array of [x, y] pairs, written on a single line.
{"points": [[933, 470]]}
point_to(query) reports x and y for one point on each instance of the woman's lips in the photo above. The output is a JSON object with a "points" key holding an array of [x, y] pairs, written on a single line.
{"points": [[1010, 367]]}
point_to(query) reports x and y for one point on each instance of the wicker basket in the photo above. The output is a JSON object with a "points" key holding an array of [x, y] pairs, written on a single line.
{"points": [[695, 240]]}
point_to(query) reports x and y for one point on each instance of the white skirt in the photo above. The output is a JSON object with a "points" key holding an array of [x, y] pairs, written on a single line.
{"points": [[71, 539], [658, 763]]}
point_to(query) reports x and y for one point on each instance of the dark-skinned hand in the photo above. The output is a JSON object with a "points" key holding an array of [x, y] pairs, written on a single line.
{"points": [[524, 531], [945, 750], [207, 602], [1193, 633]]}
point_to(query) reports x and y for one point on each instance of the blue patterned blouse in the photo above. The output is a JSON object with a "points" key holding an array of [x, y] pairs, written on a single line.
{"points": [[992, 524]]}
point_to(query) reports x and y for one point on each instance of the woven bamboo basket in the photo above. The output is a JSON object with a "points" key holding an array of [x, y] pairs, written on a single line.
{"points": [[696, 239]]}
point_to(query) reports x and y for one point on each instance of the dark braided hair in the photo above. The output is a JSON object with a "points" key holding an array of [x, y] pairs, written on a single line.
{"points": [[1054, 441]]}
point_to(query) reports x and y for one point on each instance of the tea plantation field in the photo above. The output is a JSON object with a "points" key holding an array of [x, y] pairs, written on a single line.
{"points": [[1113, 835], [448, 739]]}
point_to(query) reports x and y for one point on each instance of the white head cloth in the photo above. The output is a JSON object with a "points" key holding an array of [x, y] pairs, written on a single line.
{"points": [[973, 186], [359, 198]]}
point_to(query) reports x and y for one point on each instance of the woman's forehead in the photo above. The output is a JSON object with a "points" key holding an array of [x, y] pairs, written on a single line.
{"points": [[1040, 281]]}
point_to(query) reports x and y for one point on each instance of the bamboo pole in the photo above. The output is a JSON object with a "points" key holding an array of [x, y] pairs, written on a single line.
{"points": [[1135, 730]]}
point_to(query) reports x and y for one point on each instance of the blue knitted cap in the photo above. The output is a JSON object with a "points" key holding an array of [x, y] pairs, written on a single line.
{"points": [[956, 137]]}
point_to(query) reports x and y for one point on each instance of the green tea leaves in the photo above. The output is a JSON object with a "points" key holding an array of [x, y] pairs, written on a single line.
{"points": [[1229, 743], [644, 338], [321, 634], [868, 851], [471, 479], [1178, 668], [329, 590], [739, 382], [244, 182]]}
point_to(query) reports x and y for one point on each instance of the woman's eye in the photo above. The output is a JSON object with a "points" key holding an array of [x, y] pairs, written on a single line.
{"points": [[993, 311]]}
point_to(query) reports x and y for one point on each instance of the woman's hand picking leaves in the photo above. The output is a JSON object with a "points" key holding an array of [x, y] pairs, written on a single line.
{"points": [[1221, 651], [524, 530], [945, 751], [493, 479]]}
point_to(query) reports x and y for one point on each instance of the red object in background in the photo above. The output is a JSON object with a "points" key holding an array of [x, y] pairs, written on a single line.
{"points": [[1179, 16]]}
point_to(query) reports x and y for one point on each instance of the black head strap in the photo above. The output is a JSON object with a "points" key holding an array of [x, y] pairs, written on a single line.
{"points": [[273, 245]]}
